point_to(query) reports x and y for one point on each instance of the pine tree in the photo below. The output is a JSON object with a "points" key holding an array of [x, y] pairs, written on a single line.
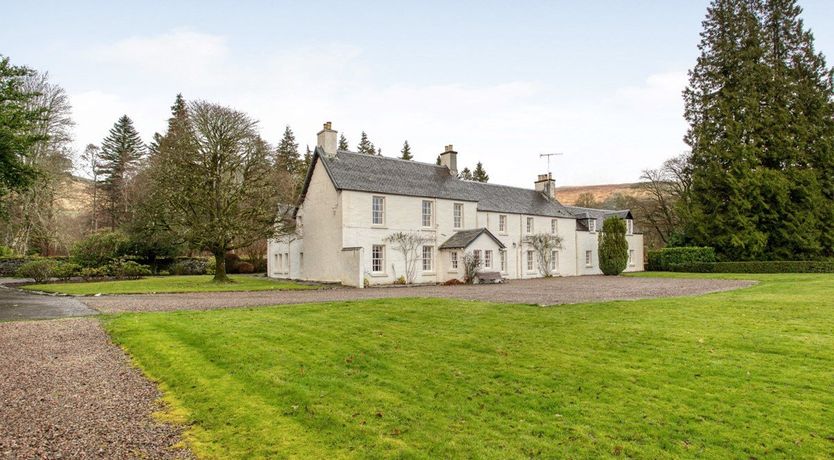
{"points": [[480, 175], [722, 106], [121, 153], [287, 156], [465, 174], [437, 162], [343, 143], [365, 145], [405, 153]]}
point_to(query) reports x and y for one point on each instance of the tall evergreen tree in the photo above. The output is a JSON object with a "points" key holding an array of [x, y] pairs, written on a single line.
{"points": [[18, 120], [121, 153], [437, 162], [479, 174], [465, 174], [722, 106], [343, 142], [405, 153], [287, 156], [365, 145]]}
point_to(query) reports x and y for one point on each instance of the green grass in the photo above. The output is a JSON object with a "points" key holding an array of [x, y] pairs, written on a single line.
{"points": [[163, 284], [740, 374]]}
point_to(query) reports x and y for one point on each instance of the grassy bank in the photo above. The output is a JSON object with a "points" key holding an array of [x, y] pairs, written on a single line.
{"points": [[169, 284]]}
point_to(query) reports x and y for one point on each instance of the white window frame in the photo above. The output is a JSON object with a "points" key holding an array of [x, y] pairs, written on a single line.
{"points": [[381, 211], [631, 254], [502, 223], [629, 226], [592, 225], [478, 259], [381, 258], [427, 215], [531, 225], [554, 261], [428, 258], [457, 215], [488, 258], [589, 258], [531, 266], [503, 256], [453, 261], [554, 226]]}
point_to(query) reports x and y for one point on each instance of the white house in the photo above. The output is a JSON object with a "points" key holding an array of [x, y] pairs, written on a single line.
{"points": [[352, 202]]}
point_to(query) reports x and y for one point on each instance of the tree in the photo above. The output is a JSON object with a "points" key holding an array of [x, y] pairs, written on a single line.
{"points": [[666, 209], [587, 200], [465, 174], [365, 145], [613, 246], [90, 157], [544, 244], [121, 153], [479, 174], [287, 156], [471, 264], [217, 186], [437, 161], [405, 153], [408, 244], [343, 143], [17, 128]]}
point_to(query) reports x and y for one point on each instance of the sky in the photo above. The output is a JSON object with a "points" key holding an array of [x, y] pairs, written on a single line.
{"points": [[598, 81]]}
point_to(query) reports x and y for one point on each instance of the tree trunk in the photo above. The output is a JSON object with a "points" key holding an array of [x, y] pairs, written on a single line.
{"points": [[220, 268]]}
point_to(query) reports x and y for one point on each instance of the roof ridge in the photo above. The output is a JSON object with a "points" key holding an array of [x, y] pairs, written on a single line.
{"points": [[383, 157]]}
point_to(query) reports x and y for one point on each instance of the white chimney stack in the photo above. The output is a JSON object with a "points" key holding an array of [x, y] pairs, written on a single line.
{"points": [[546, 185], [327, 140], [449, 159]]}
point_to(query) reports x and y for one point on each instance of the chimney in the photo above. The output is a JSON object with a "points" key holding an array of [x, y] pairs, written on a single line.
{"points": [[546, 185], [449, 159], [327, 140]]}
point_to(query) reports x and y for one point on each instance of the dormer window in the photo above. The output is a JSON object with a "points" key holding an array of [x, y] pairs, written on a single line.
{"points": [[629, 226], [592, 225]]}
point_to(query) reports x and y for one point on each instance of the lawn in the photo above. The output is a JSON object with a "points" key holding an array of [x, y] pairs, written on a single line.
{"points": [[163, 284], [741, 374]]}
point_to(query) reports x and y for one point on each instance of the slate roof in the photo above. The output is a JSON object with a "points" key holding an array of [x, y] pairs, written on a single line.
{"points": [[585, 214], [463, 238], [378, 174]]}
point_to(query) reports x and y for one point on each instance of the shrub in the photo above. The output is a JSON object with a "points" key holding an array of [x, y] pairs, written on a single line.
{"points": [[400, 280], [245, 267], [6, 251], [164, 273], [259, 264], [613, 246], [40, 270], [211, 266], [453, 282], [190, 266], [232, 261], [127, 269], [65, 270], [663, 259], [99, 249], [90, 273], [769, 266]]}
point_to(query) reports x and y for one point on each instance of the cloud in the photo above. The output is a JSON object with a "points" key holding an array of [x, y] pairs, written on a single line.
{"points": [[607, 136]]}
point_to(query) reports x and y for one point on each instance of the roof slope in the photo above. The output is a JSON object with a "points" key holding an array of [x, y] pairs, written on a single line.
{"points": [[597, 214], [378, 174], [463, 238]]}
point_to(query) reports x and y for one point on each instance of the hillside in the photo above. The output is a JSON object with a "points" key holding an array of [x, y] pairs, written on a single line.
{"points": [[568, 195]]}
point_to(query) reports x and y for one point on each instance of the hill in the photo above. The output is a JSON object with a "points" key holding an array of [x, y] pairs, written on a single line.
{"points": [[569, 195]]}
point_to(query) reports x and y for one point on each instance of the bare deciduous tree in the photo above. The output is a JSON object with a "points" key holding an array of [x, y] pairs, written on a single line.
{"points": [[214, 180], [666, 210], [471, 264], [544, 244], [408, 244]]}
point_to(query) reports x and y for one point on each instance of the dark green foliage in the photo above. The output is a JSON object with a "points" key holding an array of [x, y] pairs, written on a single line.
{"points": [[365, 145], [100, 249], [662, 259], [761, 114], [437, 162], [613, 246], [18, 121], [405, 153], [287, 157], [126, 269], [343, 143], [464, 174], [757, 266], [190, 266], [39, 270], [6, 251], [65, 270], [479, 174], [121, 153]]}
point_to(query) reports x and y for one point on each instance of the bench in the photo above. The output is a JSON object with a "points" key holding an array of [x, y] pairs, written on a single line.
{"points": [[489, 277]]}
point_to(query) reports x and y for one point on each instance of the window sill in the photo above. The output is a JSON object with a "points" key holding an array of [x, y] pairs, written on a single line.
{"points": [[431, 273], [378, 275]]}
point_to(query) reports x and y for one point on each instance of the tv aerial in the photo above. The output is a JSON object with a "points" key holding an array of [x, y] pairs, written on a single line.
{"points": [[548, 155]]}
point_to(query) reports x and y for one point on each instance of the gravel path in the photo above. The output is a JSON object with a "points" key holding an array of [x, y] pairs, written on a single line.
{"points": [[66, 391], [540, 291], [19, 305]]}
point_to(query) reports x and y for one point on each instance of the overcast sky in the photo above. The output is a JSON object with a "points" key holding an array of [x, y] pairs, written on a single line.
{"points": [[502, 81]]}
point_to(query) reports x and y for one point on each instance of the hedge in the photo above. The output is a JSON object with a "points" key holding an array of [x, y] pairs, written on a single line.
{"points": [[10, 265], [663, 259], [773, 266]]}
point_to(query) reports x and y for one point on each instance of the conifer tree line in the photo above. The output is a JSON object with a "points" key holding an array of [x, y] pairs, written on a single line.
{"points": [[758, 182]]}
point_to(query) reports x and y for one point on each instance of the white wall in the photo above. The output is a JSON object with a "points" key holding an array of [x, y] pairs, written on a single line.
{"points": [[590, 241]]}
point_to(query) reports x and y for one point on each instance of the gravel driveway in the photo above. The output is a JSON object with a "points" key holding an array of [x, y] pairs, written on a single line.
{"points": [[19, 305], [540, 291], [67, 392]]}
